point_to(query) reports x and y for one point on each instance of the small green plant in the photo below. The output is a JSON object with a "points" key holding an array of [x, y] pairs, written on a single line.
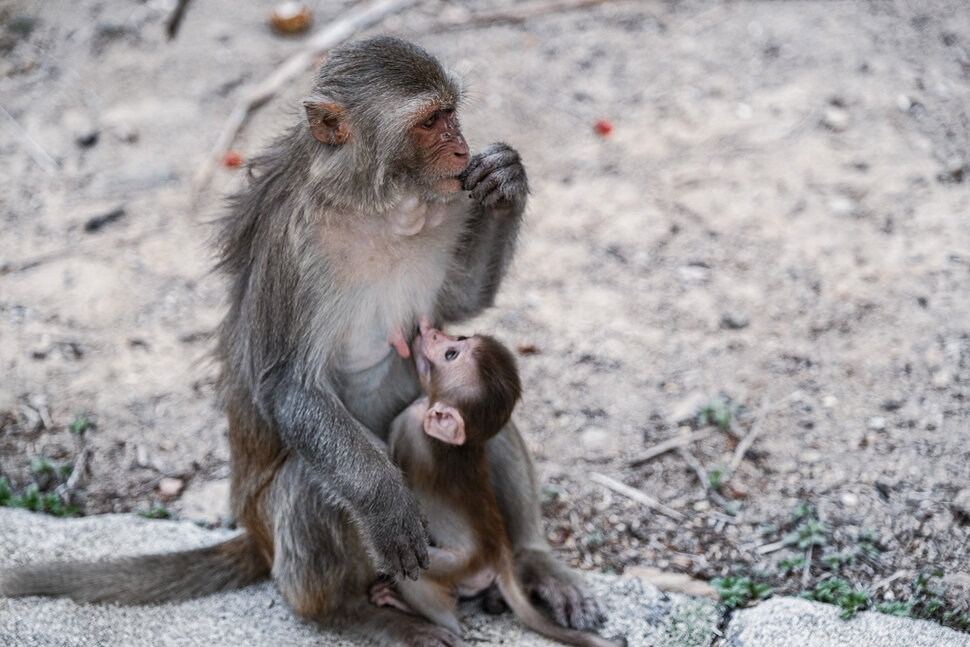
{"points": [[786, 566], [810, 532], [736, 591], [898, 609], [35, 496], [81, 423], [36, 501], [6, 492], [840, 593], [835, 561], [720, 411], [853, 603], [804, 510], [156, 512], [715, 478]]}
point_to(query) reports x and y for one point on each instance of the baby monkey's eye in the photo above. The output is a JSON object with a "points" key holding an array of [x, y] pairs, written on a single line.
{"points": [[451, 354], [462, 338]]}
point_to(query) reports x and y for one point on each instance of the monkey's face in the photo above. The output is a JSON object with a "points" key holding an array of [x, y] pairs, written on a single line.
{"points": [[441, 147], [445, 363]]}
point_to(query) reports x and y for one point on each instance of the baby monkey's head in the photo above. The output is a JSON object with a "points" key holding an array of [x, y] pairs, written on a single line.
{"points": [[472, 385]]}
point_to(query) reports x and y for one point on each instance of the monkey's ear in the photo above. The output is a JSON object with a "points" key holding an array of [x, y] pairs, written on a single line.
{"points": [[442, 421], [327, 122]]}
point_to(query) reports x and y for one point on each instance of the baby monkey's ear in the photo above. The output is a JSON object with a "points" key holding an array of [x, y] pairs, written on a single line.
{"points": [[444, 422]]}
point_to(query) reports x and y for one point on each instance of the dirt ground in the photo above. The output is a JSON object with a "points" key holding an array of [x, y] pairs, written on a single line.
{"points": [[777, 217]]}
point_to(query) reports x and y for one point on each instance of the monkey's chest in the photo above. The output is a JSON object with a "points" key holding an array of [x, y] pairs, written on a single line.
{"points": [[389, 279], [385, 305]]}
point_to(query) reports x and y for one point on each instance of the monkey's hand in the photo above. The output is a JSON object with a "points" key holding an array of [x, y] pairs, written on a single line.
{"points": [[496, 178], [398, 535]]}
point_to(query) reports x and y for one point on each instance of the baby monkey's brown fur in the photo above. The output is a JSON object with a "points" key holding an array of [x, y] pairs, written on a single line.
{"points": [[472, 386]]}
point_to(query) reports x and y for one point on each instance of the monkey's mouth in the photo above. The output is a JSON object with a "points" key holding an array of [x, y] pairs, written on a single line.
{"points": [[420, 360]]}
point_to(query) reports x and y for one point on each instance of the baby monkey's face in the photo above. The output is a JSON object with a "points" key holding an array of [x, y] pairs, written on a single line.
{"points": [[444, 362]]}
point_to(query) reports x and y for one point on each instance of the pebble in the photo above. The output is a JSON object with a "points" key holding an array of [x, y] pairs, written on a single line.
{"points": [[170, 487], [961, 502], [595, 438], [942, 378], [835, 119], [849, 499], [733, 321], [876, 423], [842, 205], [693, 274], [830, 401]]}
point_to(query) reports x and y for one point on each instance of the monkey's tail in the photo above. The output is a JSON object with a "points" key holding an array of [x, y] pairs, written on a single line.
{"points": [[147, 578], [520, 604]]}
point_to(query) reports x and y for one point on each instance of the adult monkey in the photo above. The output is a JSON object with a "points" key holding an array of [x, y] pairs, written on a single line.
{"points": [[355, 225]]}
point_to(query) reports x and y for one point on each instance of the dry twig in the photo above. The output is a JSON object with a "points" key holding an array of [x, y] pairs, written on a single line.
{"points": [[175, 19], [750, 437], [517, 14], [667, 445], [32, 148], [318, 44], [80, 249], [635, 494], [702, 476]]}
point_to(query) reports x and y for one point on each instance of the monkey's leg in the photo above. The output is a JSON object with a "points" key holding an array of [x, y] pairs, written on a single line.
{"points": [[559, 587], [432, 599], [323, 571]]}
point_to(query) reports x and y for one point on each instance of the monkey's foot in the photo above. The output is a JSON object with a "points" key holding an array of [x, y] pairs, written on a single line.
{"points": [[560, 589], [382, 594]]}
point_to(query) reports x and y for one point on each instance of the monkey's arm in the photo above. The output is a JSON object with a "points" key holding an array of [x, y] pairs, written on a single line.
{"points": [[355, 467], [498, 188]]}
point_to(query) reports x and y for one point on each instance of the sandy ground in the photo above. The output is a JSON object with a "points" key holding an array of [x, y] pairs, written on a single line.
{"points": [[778, 215]]}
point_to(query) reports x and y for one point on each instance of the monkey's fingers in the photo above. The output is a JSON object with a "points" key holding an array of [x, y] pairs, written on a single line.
{"points": [[495, 157]]}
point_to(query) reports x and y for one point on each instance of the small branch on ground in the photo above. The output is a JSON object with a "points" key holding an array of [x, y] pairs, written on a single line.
{"points": [[703, 476], [750, 437], [32, 148], [333, 34], [668, 445], [81, 249], [175, 19], [635, 494], [516, 14]]}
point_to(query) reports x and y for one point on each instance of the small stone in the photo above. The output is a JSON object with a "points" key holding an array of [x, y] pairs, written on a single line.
{"points": [[207, 501], [811, 456], [595, 438], [830, 401], [876, 423], [961, 503], [170, 487], [842, 205], [734, 321], [942, 378], [693, 274], [849, 499], [835, 119]]}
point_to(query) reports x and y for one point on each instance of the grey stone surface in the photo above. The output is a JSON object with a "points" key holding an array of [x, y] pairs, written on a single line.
{"points": [[792, 622], [257, 614]]}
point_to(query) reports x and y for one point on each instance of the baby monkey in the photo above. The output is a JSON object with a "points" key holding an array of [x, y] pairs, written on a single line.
{"points": [[472, 386]]}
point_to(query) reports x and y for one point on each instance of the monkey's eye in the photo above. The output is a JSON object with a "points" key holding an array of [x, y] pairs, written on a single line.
{"points": [[451, 354], [430, 121], [462, 338]]}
